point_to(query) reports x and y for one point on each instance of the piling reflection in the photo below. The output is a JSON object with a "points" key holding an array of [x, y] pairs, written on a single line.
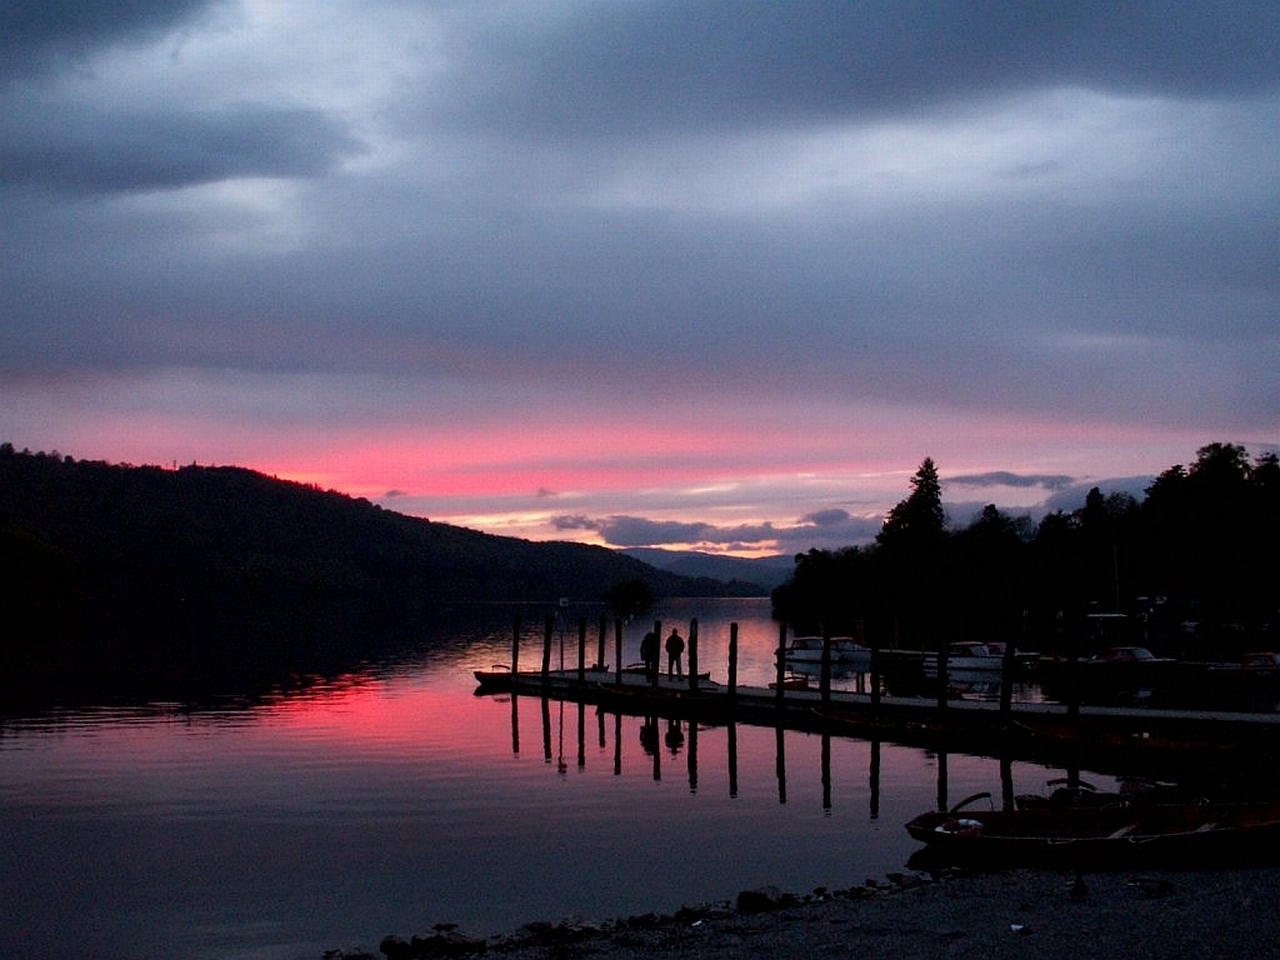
{"points": [[672, 736], [693, 758], [667, 737], [826, 771], [874, 776], [732, 747], [782, 764]]}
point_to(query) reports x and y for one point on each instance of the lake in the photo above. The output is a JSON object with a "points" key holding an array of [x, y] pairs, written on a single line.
{"points": [[339, 810]]}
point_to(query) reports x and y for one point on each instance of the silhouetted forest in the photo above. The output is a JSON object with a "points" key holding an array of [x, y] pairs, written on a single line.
{"points": [[201, 572], [1193, 565]]}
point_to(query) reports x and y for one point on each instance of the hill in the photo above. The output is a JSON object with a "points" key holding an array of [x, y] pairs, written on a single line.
{"points": [[144, 568], [763, 573]]}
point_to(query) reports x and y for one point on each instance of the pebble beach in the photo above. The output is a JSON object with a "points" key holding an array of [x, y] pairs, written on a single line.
{"points": [[1016, 914]]}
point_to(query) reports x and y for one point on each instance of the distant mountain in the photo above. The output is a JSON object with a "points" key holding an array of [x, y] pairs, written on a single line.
{"points": [[763, 572], [145, 569]]}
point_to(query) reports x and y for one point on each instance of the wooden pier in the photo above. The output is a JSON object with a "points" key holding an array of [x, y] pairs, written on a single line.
{"points": [[1128, 741]]}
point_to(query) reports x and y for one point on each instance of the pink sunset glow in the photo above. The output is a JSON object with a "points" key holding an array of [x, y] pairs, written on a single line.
{"points": [[506, 271]]}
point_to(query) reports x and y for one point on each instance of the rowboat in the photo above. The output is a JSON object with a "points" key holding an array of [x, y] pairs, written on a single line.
{"points": [[500, 677], [497, 677], [1130, 833]]}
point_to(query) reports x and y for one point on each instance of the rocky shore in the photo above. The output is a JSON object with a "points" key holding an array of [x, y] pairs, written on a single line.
{"points": [[1017, 914]]}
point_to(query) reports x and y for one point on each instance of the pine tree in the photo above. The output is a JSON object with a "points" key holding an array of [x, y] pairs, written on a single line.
{"points": [[917, 521]]}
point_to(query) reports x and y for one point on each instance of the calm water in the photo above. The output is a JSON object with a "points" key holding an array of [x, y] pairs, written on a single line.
{"points": [[395, 798]]}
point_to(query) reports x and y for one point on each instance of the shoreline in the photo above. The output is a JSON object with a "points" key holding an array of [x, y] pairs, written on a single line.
{"points": [[1018, 913]]}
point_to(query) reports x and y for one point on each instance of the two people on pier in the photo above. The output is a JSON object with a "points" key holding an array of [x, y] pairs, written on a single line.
{"points": [[675, 653]]}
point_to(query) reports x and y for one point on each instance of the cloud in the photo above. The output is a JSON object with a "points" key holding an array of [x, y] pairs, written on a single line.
{"points": [[575, 523], [827, 518], [1004, 478], [737, 267], [37, 36], [829, 528], [1073, 498], [637, 70], [90, 151]]}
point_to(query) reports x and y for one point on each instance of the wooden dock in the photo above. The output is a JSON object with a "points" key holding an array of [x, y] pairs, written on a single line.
{"points": [[1134, 741], [1127, 741]]}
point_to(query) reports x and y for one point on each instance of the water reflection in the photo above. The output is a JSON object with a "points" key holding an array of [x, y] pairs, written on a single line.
{"points": [[663, 740], [332, 812]]}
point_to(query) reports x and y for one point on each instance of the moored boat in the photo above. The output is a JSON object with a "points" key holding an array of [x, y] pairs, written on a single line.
{"points": [[977, 659], [847, 653], [497, 677]]}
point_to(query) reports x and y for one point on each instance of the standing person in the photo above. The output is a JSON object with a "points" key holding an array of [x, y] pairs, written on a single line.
{"points": [[649, 653], [675, 648]]}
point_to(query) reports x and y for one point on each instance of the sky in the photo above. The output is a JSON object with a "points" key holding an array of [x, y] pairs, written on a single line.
{"points": [[713, 275]]}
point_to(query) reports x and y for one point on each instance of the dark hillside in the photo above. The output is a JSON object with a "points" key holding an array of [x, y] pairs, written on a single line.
{"points": [[143, 569]]}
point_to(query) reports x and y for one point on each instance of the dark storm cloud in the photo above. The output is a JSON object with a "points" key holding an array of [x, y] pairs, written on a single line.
{"points": [[827, 518], [575, 523], [81, 151], [639, 532], [1003, 478], [44, 35], [635, 69]]}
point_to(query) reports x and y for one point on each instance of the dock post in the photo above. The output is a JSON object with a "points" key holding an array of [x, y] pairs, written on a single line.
{"points": [[604, 628], [693, 655], [582, 651], [617, 648], [548, 629], [824, 681], [782, 663], [733, 661], [875, 676], [943, 682], [656, 666], [1073, 680], [1006, 678], [515, 646]]}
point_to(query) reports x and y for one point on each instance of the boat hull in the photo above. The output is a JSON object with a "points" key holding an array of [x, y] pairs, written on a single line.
{"points": [[1183, 835]]}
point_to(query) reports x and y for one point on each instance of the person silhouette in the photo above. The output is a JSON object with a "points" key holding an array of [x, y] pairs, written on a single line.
{"points": [[649, 652], [675, 649]]}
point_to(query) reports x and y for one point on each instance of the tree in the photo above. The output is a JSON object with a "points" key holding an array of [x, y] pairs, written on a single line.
{"points": [[1221, 466], [919, 520], [911, 554], [988, 567], [631, 598], [829, 592]]}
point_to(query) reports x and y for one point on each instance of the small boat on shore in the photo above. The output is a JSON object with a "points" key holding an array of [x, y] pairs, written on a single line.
{"points": [[1129, 833]]}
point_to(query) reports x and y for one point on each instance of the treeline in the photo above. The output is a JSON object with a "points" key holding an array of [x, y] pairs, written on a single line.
{"points": [[1193, 564], [145, 569]]}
